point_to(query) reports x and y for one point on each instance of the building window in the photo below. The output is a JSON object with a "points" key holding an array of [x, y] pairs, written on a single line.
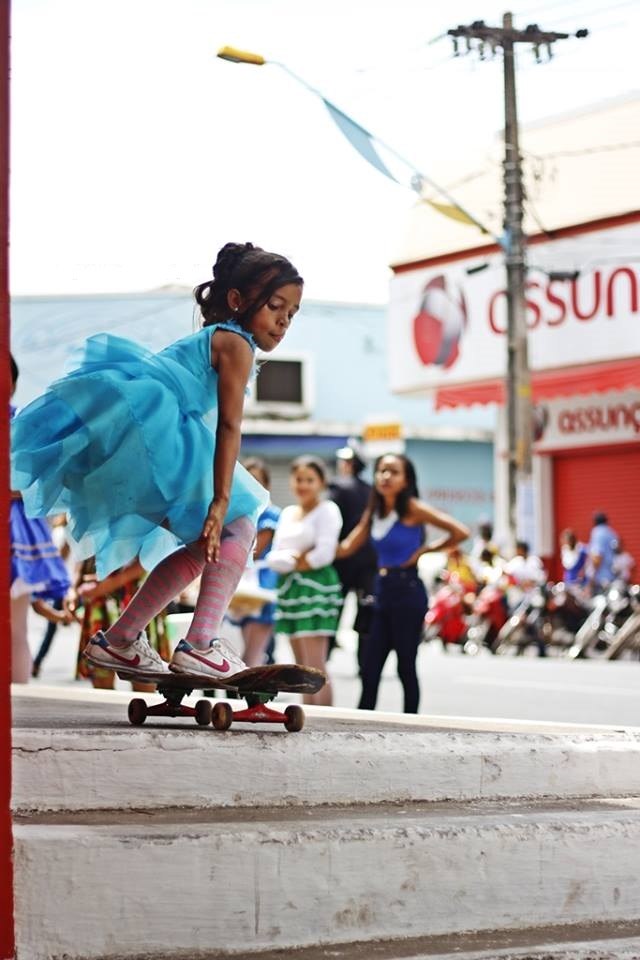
{"points": [[281, 389]]}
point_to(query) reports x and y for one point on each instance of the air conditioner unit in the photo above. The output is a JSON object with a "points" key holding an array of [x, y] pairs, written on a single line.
{"points": [[282, 388]]}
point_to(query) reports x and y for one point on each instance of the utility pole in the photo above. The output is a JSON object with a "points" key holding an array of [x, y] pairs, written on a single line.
{"points": [[518, 380]]}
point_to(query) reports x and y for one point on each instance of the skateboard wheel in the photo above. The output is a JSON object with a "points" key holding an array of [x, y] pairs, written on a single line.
{"points": [[203, 713], [221, 716], [294, 718], [137, 711]]}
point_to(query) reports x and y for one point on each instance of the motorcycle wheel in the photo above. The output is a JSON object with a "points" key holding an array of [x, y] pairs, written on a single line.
{"points": [[627, 638]]}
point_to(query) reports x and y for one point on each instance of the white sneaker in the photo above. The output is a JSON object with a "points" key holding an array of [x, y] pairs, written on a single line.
{"points": [[136, 657], [219, 660]]}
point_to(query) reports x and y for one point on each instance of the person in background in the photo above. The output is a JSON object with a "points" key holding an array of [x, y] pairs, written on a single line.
{"points": [[460, 567], [101, 602], [574, 556], [351, 495], [525, 568], [483, 540], [58, 535], [257, 628], [395, 522], [39, 578], [303, 550], [488, 568], [602, 544], [623, 564]]}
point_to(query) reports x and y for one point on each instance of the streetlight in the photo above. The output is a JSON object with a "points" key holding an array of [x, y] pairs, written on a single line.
{"points": [[363, 141]]}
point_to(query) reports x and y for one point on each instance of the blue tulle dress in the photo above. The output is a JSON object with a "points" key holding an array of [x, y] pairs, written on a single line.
{"points": [[124, 445]]}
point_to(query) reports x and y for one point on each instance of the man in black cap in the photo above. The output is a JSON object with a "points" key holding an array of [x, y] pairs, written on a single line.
{"points": [[357, 572]]}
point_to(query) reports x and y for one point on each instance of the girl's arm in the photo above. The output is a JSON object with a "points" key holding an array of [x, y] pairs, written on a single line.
{"points": [[46, 610], [357, 538], [264, 539], [281, 558], [94, 590], [327, 523], [455, 532], [232, 358]]}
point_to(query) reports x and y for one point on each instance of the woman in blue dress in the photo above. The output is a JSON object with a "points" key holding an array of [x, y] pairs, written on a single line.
{"points": [[394, 522], [39, 576], [140, 450]]}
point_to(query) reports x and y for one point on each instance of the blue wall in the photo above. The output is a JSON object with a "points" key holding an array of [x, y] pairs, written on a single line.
{"points": [[348, 345], [347, 341]]}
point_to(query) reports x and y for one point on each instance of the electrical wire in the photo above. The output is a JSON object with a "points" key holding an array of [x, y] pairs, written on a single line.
{"points": [[603, 148]]}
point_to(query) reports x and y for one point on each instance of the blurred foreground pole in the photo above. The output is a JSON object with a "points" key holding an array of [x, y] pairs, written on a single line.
{"points": [[7, 943]]}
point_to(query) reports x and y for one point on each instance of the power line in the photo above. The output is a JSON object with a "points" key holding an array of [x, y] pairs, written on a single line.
{"points": [[595, 13], [603, 148]]}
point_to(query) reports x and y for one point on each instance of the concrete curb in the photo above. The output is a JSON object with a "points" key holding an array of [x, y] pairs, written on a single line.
{"points": [[264, 884], [150, 768]]}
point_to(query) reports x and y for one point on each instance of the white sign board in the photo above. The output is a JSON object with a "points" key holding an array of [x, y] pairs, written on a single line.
{"points": [[447, 327], [602, 418]]}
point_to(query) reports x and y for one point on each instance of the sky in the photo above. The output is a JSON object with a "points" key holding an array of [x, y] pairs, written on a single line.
{"points": [[136, 153]]}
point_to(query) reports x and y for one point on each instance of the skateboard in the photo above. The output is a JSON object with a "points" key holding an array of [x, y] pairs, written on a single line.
{"points": [[256, 685]]}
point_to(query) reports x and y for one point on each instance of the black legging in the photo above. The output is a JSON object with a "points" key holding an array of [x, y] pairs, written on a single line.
{"points": [[49, 634], [398, 615]]}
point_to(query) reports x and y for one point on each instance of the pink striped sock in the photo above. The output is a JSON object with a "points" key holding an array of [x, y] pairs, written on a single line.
{"points": [[163, 585], [219, 582]]}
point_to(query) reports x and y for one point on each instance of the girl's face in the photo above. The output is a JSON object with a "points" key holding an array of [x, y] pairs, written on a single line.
{"points": [[306, 486], [272, 321], [390, 478]]}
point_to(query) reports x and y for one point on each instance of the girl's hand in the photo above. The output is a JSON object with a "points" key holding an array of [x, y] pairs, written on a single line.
{"points": [[212, 530], [302, 563], [69, 607]]}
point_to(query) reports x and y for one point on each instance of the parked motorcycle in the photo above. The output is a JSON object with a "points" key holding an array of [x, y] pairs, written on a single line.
{"points": [[609, 611], [489, 613], [627, 637], [525, 625], [446, 617], [567, 610]]}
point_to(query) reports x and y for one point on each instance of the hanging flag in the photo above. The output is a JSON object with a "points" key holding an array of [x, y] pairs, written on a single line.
{"points": [[454, 213], [359, 138], [369, 146]]}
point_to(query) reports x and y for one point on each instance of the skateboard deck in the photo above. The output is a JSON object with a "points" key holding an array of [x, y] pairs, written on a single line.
{"points": [[256, 685]]}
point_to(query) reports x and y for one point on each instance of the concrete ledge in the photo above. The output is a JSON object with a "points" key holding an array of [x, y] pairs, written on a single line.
{"points": [[224, 885], [182, 767]]}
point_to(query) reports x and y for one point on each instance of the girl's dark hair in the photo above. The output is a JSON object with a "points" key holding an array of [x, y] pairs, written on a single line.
{"points": [[255, 463], [312, 463], [15, 373], [402, 500], [253, 271]]}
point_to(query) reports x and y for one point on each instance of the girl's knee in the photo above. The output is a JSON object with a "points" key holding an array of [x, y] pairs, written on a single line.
{"points": [[241, 530]]}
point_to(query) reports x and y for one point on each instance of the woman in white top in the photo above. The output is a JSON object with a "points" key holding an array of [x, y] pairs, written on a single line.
{"points": [[309, 593]]}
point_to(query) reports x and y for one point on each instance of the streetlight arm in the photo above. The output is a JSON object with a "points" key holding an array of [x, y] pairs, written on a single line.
{"points": [[233, 55]]}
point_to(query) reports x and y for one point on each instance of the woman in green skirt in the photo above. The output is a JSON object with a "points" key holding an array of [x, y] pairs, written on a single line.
{"points": [[309, 593]]}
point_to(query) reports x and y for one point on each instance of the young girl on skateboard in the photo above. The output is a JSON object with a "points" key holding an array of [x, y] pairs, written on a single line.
{"points": [[394, 522], [140, 450]]}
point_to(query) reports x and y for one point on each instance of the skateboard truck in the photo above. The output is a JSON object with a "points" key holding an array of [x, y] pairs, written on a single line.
{"points": [[221, 715], [256, 685]]}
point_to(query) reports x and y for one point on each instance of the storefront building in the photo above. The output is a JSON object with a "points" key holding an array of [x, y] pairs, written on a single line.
{"points": [[447, 322]]}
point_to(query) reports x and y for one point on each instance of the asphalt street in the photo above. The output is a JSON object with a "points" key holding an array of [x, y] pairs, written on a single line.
{"points": [[529, 688]]}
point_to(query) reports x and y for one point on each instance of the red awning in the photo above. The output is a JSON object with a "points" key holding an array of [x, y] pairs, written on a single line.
{"points": [[545, 384]]}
